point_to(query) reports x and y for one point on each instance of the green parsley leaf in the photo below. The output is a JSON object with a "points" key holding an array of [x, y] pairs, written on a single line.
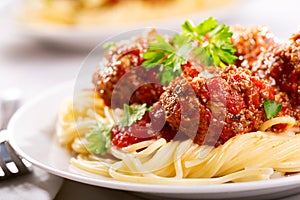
{"points": [[109, 45], [201, 29], [215, 42], [132, 114], [209, 41], [99, 138], [272, 108], [169, 58]]}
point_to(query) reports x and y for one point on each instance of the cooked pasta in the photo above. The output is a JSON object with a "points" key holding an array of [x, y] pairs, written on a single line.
{"points": [[179, 162], [73, 122]]}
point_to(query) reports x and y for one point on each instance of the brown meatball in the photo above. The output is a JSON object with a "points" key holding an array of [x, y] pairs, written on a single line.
{"points": [[282, 68], [250, 42], [212, 110], [123, 78]]}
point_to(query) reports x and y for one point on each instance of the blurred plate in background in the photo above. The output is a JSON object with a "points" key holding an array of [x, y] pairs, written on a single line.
{"points": [[84, 26]]}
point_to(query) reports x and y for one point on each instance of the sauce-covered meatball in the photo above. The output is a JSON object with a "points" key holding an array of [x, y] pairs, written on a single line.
{"points": [[123, 78], [212, 110], [280, 66]]}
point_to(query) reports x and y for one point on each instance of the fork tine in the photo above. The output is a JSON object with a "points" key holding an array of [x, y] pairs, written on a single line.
{"points": [[4, 158], [3, 166], [23, 169]]}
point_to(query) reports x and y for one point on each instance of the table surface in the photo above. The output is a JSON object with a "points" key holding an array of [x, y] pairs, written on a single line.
{"points": [[33, 66]]}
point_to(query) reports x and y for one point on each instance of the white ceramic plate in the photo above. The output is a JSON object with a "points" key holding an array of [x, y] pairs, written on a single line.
{"points": [[84, 37], [32, 136]]}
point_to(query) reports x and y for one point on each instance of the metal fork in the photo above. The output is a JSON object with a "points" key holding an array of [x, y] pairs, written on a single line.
{"points": [[11, 164]]}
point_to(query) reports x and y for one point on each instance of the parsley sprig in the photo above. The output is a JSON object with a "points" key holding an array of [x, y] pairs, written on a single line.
{"points": [[99, 139], [168, 57], [272, 108], [132, 114], [209, 41], [215, 45], [109, 45]]}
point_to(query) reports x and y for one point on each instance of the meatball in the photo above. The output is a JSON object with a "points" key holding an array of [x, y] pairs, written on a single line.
{"points": [[281, 67], [123, 78], [250, 42], [212, 110]]}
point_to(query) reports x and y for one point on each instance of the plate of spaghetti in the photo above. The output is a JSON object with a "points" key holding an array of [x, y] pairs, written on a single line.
{"points": [[208, 112]]}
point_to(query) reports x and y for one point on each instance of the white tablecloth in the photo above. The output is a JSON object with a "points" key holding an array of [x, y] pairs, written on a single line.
{"points": [[33, 67]]}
